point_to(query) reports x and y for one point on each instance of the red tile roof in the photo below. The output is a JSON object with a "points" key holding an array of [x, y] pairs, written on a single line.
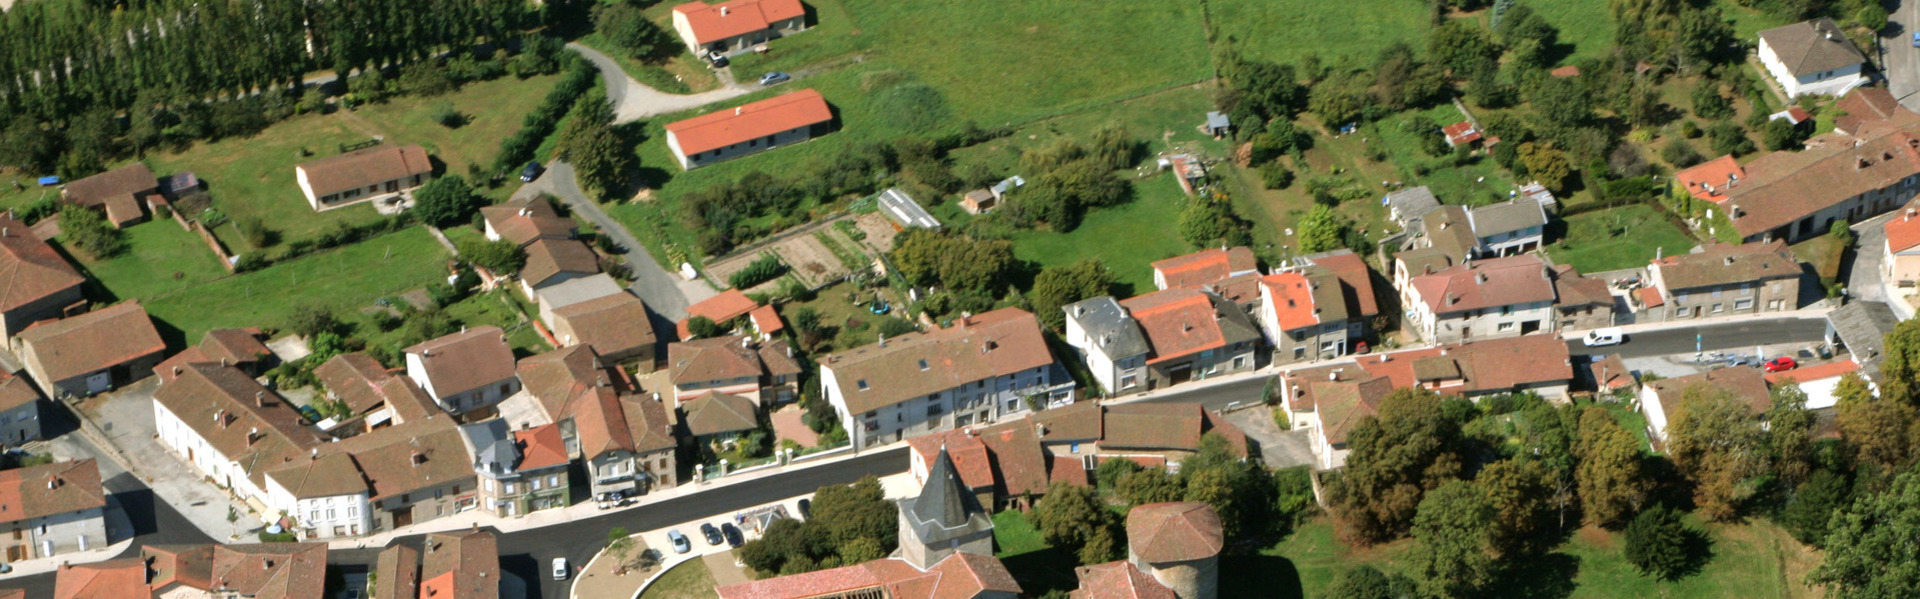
{"points": [[1485, 284], [1069, 470], [461, 565], [1566, 71], [1710, 180], [1118, 580], [466, 360], [1785, 187], [1813, 373], [1650, 296], [720, 309], [94, 341], [958, 576], [754, 120], [767, 320], [1462, 132], [50, 489], [276, 570], [29, 268], [969, 455], [525, 219], [1174, 532], [1354, 272], [1867, 105], [711, 22], [1611, 373], [1903, 232], [1489, 365], [1205, 266], [1747, 385], [1292, 300], [112, 579], [125, 182], [540, 447], [1178, 322]]}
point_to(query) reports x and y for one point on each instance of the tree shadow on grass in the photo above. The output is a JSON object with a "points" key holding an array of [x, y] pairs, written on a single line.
{"points": [[1699, 551], [1269, 576], [1041, 571]]}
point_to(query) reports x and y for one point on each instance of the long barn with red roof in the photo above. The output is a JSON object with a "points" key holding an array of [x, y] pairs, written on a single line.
{"points": [[748, 129]]}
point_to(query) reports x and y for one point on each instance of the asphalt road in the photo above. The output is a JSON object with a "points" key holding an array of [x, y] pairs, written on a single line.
{"points": [[1900, 59], [660, 290], [1712, 337], [529, 554]]}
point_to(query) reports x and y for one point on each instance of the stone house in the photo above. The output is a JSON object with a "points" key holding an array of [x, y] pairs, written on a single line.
{"points": [[1580, 302], [524, 220], [519, 471], [93, 352], [466, 371], [1205, 266], [40, 284], [627, 442], [1193, 335], [19, 411], [1722, 280], [1320, 306], [55, 509], [1485, 299], [122, 194]]}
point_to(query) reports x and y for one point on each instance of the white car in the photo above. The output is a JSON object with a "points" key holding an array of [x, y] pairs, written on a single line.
{"points": [[1605, 337], [560, 570]]}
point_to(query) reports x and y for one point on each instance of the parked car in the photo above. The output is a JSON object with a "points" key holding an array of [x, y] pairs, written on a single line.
{"points": [[806, 508], [1916, 39], [734, 538], [1781, 364], [775, 78], [1605, 337], [614, 499], [719, 60], [560, 569], [1742, 360], [712, 534], [680, 542], [531, 172]]}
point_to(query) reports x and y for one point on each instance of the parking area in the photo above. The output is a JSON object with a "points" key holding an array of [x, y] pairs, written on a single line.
{"points": [[125, 418], [1278, 448]]}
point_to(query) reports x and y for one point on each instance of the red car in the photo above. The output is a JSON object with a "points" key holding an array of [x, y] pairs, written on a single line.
{"points": [[1781, 364]]}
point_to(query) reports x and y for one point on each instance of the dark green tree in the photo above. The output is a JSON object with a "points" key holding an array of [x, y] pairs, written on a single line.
{"points": [[1395, 457], [1455, 526], [445, 202], [627, 27], [1057, 286], [1657, 543]]}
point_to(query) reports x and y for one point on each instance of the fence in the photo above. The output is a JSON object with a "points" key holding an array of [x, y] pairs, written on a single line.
{"points": [[226, 258]]}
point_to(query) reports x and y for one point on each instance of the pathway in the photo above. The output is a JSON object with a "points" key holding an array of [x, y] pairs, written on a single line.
{"points": [[664, 292], [633, 101]]}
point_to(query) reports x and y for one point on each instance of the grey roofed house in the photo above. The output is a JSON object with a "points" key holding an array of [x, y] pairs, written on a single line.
{"points": [[1862, 326], [900, 207], [492, 446], [1512, 215], [1117, 333], [1814, 46], [1006, 185], [945, 509], [1449, 230], [1408, 205], [574, 291], [1218, 123]]}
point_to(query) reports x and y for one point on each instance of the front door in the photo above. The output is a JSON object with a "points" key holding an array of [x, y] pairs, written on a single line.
{"points": [[402, 517], [393, 186], [1180, 374], [16, 553]]}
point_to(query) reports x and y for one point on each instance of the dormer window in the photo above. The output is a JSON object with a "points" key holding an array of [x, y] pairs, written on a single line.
{"points": [[862, 384], [923, 364]]}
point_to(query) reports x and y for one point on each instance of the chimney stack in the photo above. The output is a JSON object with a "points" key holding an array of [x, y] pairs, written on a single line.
{"points": [[260, 399]]}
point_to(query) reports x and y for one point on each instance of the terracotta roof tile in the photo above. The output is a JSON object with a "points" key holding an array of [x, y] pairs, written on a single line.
{"points": [[1205, 266], [1019, 464], [522, 220], [713, 359], [711, 22], [1483, 284], [236, 346], [714, 413], [1724, 264], [968, 453], [111, 579], [612, 324], [1079, 421], [29, 268], [189, 566], [1178, 322], [557, 377], [1357, 277], [1867, 105], [16, 391], [1748, 386], [1805, 374], [1572, 289], [465, 565], [1611, 373], [1118, 580], [1711, 180], [127, 181], [1174, 532], [547, 258], [94, 341], [767, 320], [1291, 300], [997, 343], [50, 489], [649, 424], [1903, 232], [271, 570], [777, 357], [1153, 426], [720, 309], [397, 573], [364, 167], [1784, 187], [257, 428], [1068, 470], [753, 120], [1811, 47], [467, 360]]}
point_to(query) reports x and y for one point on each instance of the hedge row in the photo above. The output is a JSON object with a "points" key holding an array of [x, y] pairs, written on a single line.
{"points": [[518, 149]]}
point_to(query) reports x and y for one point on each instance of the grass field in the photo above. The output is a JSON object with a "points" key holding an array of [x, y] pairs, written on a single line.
{"points": [[1616, 238], [1125, 237], [1352, 32], [161, 258], [689, 580], [681, 74], [344, 280], [1038, 567], [1748, 561], [253, 177]]}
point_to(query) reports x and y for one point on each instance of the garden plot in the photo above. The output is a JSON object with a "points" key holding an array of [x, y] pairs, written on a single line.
{"points": [[817, 257]]}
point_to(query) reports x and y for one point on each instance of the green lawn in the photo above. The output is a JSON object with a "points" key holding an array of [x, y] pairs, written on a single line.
{"points": [[1616, 238], [1748, 561], [1287, 30], [252, 178], [1586, 25], [161, 258], [1477, 182], [689, 580], [28, 189], [344, 279], [1037, 566], [1125, 237]]}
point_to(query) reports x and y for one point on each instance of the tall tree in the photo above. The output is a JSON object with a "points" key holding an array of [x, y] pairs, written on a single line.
{"points": [[857, 511], [1613, 480], [599, 154], [445, 202], [1900, 369], [1396, 457], [1790, 433], [1521, 493], [1057, 286], [1870, 551], [1074, 518], [1656, 543], [1455, 526], [1321, 230], [1716, 441]]}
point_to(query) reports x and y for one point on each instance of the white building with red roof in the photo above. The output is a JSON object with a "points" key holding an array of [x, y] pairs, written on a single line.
{"points": [[1900, 262], [749, 128], [737, 26]]}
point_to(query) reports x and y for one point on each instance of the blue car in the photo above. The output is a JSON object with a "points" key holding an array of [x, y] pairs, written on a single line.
{"points": [[1916, 39], [774, 78]]}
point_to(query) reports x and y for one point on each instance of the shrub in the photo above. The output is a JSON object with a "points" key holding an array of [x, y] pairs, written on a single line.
{"points": [[763, 269], [1680, 154], [1275, 176], [88, 230], [1657, 543], [444, 114]]}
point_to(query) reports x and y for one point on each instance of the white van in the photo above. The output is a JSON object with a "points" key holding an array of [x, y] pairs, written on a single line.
{"points": [[560, 569], [1606, 336]]}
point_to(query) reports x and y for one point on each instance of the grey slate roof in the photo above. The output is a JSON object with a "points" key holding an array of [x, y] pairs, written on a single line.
{"points": [[1216, 120], [1863, 327], [1109, 326], [574, 291], [492, 446], [944, 510], [1810, 47], [1511, 215], [1412, 203]]}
